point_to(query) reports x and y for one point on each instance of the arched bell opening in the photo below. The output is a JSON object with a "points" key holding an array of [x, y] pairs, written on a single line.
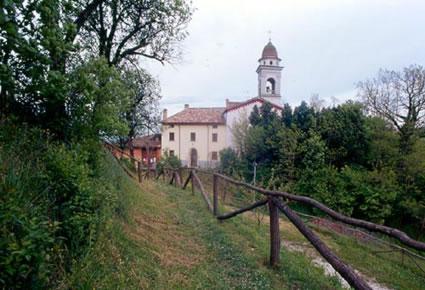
{"points": [[270, 86]]}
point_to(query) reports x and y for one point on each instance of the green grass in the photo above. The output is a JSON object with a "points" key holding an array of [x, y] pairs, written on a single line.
{"points": [[389, 268], [162, 237], [165, 238]]}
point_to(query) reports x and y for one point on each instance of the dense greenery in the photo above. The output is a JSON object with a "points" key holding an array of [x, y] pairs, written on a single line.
{"points": [[70, 76], [68, 65], [53, 199], [338, 155], [144, 248], [167, 239], [168, 161]]}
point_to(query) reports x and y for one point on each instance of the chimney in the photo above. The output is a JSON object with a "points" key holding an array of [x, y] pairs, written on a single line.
{"points": [[186, 106], [227, 103], [164, 114]]}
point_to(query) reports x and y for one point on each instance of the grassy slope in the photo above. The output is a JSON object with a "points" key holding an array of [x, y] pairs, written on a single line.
{"points": [[164, 238]]}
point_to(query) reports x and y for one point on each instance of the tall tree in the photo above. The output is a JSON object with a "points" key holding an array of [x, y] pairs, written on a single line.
{"points": [[239, 130], [142, 115], [316, 103], [254, 117], [122, 30], [304, 117], [398, 97], [36, 41], [42, 42], [287, 115], [343, 128]]}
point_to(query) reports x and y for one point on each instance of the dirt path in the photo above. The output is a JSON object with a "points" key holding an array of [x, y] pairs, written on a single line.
{"points": [[309, 251], [194, 250]]}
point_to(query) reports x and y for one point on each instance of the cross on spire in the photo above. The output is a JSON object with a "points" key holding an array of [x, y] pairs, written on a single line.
{"points": [[270, 34]]}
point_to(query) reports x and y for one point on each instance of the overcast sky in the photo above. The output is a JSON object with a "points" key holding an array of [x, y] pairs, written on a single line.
{"points": [[326, 47]]}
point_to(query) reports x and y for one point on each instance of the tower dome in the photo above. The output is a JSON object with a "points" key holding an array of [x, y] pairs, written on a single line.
{"points": [[269, 74], [269, 51]]}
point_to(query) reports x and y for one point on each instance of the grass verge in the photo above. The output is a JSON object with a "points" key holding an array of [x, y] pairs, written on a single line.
{"points": [[164, 238]]}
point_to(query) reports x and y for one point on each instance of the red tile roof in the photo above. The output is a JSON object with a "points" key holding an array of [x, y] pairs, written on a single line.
{"points": [[151, 140], [250, 101], [197, 116], [230, 104]]}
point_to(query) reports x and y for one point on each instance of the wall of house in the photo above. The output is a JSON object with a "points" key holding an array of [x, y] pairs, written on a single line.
{"points": [[236, 115], [141, 154], [154, 155], [182, 143]]}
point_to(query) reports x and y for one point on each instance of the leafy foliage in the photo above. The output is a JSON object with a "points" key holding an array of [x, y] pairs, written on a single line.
{"points": [[99, 96], [339, 155], [343, 128], [168, 161], [55, 56], [69, 76], [230, 164], [52, 202]]}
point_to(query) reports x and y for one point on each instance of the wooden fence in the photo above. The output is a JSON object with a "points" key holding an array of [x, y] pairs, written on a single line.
{"points": [[277, 202]]}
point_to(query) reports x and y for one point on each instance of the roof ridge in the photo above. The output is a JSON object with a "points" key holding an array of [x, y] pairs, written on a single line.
{"points": [[200, 115], [205, 108], [253, 99]]}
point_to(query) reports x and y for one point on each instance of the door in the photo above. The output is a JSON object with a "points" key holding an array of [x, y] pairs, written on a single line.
{"points": [[193, 157]]}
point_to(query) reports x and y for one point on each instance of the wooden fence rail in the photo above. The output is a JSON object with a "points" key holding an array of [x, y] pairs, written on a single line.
{"points": [[343, 269], [392, 232], [275, 205], [202, 189], [242, 210]]}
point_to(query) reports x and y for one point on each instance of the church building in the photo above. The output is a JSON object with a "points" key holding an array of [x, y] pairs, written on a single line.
{"points": [[197, 135]]}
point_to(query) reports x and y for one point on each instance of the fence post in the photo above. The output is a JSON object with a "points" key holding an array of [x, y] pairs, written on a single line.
{"points": [[193, 186], [215, 195], [180, 173], [172, 178], [139, 171], [274, 233]]}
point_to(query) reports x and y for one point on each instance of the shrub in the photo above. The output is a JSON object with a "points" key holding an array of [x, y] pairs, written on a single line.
{"points": [[353, 191], [128, 163], [230, 163], [53, 199], [168, 161]]}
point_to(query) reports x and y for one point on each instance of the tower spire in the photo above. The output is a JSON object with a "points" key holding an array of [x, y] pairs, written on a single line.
{"points": [[270, 35], [269, 74]]}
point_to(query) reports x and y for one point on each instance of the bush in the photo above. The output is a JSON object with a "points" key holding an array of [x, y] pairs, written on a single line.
{"points": [[53, 198], [230, 163], [168, 161], [128, 163], [374, 192], [353, 191]]}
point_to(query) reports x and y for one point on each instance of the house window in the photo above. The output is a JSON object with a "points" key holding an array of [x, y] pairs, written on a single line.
{"points": [[214, 156], [193, 136], [271, 62], [214, 137], [171, 136], [171, 126], [215, 126], [171, 152]]}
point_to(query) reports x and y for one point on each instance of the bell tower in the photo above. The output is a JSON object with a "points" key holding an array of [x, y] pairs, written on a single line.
{"points": [[269, 75]]}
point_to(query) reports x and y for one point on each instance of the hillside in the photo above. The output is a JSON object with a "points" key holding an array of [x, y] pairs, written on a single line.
{"points": [[162, 237]]}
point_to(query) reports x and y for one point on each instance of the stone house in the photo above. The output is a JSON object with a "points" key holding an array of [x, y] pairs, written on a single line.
{"points": [[197, 135]]}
